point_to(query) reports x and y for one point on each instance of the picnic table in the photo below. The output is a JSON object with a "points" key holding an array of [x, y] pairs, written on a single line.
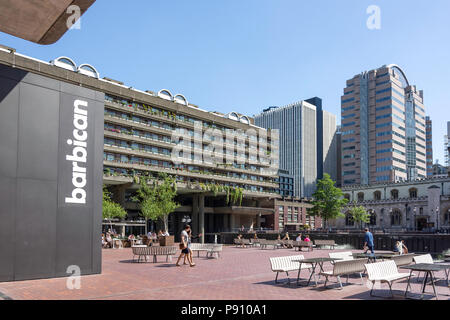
{"points": [[314, 262], [428, 269]]}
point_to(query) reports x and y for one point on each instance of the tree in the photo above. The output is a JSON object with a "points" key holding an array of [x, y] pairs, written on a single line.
{"points": [[156, 198], [328, 200], [111, 209], [359, 214]]}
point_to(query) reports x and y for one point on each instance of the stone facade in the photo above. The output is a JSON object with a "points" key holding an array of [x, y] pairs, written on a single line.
{"points": [[422, 205]]}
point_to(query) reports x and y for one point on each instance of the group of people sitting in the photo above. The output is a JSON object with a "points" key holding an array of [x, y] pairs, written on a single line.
{"points": [[400, 247], [107, 240], [299, 238]]}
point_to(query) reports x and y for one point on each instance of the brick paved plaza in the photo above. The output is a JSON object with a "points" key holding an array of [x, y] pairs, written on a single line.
{"points": [[240, 274]]}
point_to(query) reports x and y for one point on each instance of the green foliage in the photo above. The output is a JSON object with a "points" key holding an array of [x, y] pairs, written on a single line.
{"points": [[327, 200], [111, 209], [359, 214], [156, 198], [234, 195]]}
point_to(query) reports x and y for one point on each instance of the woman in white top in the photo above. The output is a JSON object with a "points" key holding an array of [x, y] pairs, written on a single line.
{"points": [[184, 246]]}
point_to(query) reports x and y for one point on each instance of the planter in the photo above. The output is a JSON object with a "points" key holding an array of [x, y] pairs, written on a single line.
{"points": [[166, 241]]}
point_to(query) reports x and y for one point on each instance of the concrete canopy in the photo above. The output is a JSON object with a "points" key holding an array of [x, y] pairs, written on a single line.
{"points": [[39, 21]]}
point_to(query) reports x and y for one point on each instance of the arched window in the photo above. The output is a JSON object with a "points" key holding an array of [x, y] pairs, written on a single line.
{"points": [[396, 217], [347, 196], [361, 197], [413, 193], [373, 218], [349, 222], [394, 194], [88, 70], [377, 196]]}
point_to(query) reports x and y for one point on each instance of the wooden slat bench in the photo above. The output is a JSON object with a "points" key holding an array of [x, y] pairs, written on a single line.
{"points": [[287, 264], [325, 243], [144, 251], [299, 245], [384, 272], [345, 268], [265, 243]]}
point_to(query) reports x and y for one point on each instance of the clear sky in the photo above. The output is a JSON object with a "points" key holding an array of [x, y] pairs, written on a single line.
{"points": [[244, 55]]}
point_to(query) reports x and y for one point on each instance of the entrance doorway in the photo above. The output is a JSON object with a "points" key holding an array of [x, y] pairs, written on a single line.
{"points": [[421, 223]]}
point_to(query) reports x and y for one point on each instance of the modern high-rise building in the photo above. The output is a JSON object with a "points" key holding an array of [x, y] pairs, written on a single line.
{"points": [[429, 138], [447, 146], [307, 142], [339, 156], [383, 128]]}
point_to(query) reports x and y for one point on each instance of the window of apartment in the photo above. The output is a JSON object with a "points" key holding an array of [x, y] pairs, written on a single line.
{"points": [[394, 194], [281, 217], [361, 197], [396, 217], [377, 195], [289, 214], [349, 222], [413, 193]]}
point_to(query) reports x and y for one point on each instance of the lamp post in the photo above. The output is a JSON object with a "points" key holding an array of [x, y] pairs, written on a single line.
{"points": [[437, 218], [415, 220]]}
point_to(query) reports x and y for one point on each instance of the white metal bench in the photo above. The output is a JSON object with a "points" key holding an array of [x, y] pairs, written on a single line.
{"points": [[345, 268], [209, 248], [342, 255], [287, 264], [215, 250], [144, 251], [404, 259], [384, 272]]}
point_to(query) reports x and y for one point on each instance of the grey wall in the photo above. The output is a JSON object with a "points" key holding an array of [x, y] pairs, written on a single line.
{"points": [[40, 234]]}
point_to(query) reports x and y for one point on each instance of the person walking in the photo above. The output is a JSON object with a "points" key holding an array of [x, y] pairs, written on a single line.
{"points": [[190, 237], [184, 246], [368, 241]]}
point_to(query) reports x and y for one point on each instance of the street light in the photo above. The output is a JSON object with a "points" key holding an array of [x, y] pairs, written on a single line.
{"points": [[437, 221], [415, 219]]}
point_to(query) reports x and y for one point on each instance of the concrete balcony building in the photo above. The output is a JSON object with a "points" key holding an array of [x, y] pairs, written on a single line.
{"points": [[147, 133]]}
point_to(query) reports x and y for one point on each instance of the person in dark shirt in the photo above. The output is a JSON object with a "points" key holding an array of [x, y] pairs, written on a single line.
{"points": [[368, 241]]}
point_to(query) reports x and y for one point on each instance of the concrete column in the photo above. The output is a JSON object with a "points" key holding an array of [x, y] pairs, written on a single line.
{"points": [[232, 221], [258, 222], [211, 222], [195, 218], [201, 213]]}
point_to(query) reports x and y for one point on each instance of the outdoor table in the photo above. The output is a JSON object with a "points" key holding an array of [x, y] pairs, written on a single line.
{"points": [[314, 262], [446, 270], [428, 268]]}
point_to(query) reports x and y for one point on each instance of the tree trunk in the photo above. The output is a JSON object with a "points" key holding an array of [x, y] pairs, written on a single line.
{"points": [[166, 223], [146, 226]]}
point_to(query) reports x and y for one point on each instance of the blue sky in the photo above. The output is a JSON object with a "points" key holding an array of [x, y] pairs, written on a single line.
{"points": [[244, 55]]}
